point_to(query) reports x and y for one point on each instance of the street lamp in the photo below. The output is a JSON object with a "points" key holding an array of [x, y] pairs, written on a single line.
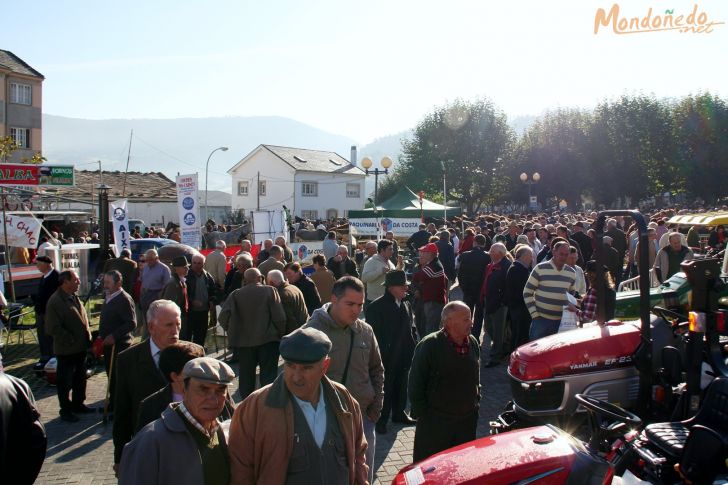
{"points": [[534, 179], [386, 162], [207, 165]]}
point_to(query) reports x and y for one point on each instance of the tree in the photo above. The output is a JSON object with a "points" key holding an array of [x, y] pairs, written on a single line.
{"points": [[7, 147], [470, 141]]}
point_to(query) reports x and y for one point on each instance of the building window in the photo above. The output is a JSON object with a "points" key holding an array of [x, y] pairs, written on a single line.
{"points": [[21, 93], [332, 214], [309, 189], [21, 136], [261, 188], [309, 215], [352, 191], [243, 188]]}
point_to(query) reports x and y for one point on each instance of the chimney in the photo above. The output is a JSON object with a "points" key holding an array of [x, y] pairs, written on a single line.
{"points": [[353, 155]]}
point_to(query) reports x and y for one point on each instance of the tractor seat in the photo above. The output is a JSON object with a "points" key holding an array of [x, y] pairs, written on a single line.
{"points": [[670, 438]]}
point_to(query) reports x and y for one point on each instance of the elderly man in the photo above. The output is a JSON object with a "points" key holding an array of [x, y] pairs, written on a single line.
{"points": [[430, 285], [292, 300], [322, 278], [516, 278], [470, 278], [295, 276], [342, 265], [154, 276], [274, 261], [545, 292], [493, 302], [444, 384], [117, 322], [287, 253], [138, 373], [66, 321], [47, 286], [126, 266], [392, 320], [370, 250], [234, 278], [376, 267], [255, 321], [303, 428], [264, 253], [668, 259], [216, 264], [202, 295], [186, 445], [177, 291], [330, 246], [356, 362]]}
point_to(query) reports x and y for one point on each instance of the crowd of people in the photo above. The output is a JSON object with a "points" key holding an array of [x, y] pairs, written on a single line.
{"points": [[360, 338]]}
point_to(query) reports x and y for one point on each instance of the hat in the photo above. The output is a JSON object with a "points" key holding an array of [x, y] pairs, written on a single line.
{"points": [[43, 259], [395, 278], [209, 370], [429, 248], [179, 261], [305, 346]]}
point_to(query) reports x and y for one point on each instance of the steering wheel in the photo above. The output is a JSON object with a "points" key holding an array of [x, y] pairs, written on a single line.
{"points": [[669, 315], [615, 415]]}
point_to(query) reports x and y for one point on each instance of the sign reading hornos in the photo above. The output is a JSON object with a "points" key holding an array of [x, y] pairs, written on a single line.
{"points": [[36, 175]]}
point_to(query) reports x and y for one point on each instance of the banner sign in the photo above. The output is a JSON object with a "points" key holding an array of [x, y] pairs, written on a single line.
{"points": [[22, 231], [304, 252], [399, 226], [36, 175], [120, 218], [189, 213]]}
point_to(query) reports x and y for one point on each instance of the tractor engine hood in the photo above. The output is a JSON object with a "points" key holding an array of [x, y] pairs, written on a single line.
{"points": [[588, 349]]}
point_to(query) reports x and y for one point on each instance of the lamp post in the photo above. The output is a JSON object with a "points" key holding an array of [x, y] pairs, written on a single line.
{"points": [[207, 165], [444, 191], [386, 162], [533, 180]]}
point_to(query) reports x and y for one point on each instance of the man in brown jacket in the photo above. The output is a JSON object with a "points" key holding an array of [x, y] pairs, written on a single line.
{"points": [[255, 321], [66, 321], [322, 278], [303, 428], [274, 261], [291, 298]]}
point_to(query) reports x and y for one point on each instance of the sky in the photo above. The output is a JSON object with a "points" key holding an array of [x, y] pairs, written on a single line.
{"points": [[359, 69]]}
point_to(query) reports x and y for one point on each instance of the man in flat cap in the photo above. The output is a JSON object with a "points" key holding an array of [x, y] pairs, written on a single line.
{"points": [[186, 445], [302, 429], [176, 290]]}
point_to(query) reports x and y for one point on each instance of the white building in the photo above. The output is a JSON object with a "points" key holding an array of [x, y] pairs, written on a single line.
{"points": [[312, 184]]}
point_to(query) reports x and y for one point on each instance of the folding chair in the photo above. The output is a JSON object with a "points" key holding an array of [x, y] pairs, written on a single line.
{"points": [[16, 314]]}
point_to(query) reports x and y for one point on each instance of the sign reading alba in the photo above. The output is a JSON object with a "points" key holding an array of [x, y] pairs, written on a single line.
{"points": [[36, 175]]}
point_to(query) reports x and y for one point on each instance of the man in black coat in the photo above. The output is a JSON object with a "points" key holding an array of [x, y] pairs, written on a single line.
{"points": [[392, 320], [295, 276], [47, 286], [117, 322], [584, 241], [202, 295], [419, 239], [492, 295], [342, 264], [516, 278], [126, 267], [446, 253], [138, 373], [23, 439], [470, 278]]}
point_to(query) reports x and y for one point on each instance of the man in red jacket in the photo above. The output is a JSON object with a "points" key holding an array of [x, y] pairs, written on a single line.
{"points": [[430, 285]]}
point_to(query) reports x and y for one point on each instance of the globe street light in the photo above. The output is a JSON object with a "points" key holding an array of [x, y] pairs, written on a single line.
{"points": [[535, 178], [386, 162], [207, 165]]}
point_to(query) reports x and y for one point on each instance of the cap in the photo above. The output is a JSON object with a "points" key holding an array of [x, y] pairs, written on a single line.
{"points": [[43, 259], [429, 248], [209, 370], [305, 346], [179, 261], [395, 278]]}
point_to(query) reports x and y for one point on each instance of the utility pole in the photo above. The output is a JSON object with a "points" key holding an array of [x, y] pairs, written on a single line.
{"points": [[258, 192], [444, 190]]}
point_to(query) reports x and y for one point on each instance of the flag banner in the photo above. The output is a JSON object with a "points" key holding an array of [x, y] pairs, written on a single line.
{"points": [[120, 219], [189, 213]]}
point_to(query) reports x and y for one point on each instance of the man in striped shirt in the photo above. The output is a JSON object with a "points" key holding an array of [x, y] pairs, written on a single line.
{"points": [[545, 292]]}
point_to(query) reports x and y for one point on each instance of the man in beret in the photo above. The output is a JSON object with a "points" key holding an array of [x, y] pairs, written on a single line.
{"points": [[46, 287], [303, 428], [186, 445]]}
